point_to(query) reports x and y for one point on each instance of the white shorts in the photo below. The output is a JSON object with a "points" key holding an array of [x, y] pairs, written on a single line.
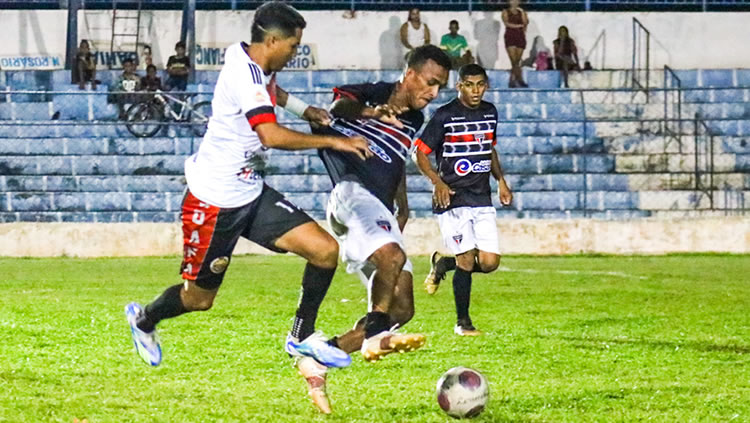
{"points": [[467, 228], [361, 224]]}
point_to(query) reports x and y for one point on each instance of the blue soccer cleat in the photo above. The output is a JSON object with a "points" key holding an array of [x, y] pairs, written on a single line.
{"points": [[316, 347], [146, 343]]}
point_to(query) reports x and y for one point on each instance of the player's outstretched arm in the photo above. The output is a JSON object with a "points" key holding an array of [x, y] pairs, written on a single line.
{"points": [[299, 108], [348, 108], [441, 191], [273, 135], [504, 192]]}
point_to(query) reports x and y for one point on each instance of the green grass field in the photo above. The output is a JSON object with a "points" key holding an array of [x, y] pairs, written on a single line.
{"points": [[567, 339]]}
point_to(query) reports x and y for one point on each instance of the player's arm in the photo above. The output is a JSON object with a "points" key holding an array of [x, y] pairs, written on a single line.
{"points": [[441, 191], [402, 204], [351, 108], [299, 108], [273, 135], [504, 192]]}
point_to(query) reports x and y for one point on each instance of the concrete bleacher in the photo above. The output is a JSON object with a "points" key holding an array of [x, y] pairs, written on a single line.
{"points": [[566, 153]]}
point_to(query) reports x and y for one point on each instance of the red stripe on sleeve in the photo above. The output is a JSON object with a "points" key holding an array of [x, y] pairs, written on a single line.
{"points": [[337, 94], [422, 146], [261, 118]]}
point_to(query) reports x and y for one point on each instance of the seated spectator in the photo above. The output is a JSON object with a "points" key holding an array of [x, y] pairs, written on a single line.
{"points": [[151, 82], [414, 33], [454, 45], [538, 56], [124, 88], [178, 68], [566, 54], [84, 69]]}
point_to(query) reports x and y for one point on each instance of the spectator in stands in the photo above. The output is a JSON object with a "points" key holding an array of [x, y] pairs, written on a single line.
{"points": [[414, 33], [146, 59], [84, 70], [516, 21], [151, 82], [566, 54], [178, 68], [454, 44], [539, 56], [124, 88]]}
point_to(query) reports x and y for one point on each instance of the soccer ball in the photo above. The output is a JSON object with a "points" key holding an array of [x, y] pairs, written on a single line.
{"points": [[462, 392]]}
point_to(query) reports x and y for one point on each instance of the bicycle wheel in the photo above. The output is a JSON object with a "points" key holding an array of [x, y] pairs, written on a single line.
{"points": [[199, 117], [144, 119]]}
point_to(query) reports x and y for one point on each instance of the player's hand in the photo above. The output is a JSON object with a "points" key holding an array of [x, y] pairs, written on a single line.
{"points": [[356, 145], [441, 194], [389, 114], [317, 116], [505, 194]]}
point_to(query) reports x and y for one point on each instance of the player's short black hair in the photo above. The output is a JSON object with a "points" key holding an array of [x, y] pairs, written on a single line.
{"points": [[471, 70], [275, 15], [453, 22], [179, 44], [422, 54]]}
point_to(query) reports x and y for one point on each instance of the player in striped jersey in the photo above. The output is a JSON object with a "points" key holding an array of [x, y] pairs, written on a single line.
{"points": [[462, 136], [361, 207]]}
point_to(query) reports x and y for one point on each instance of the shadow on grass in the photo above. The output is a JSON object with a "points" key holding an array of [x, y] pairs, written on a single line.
{"points": [[702, 346]]}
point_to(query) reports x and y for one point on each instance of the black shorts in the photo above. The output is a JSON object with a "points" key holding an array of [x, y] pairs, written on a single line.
{"points": [[210, 233]]}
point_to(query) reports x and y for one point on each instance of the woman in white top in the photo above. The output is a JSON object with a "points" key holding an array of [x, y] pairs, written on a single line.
{"points": [[414, 33]]}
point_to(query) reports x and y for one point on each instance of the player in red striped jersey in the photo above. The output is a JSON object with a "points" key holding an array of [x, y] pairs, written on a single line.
{"points": [[462, 136]]}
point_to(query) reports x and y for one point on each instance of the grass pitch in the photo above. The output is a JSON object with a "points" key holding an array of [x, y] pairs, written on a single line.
{"points": [[567, 339]]}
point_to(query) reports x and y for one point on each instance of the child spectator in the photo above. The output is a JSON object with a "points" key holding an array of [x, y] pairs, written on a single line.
{"points": [[151, 82], [454, 45], [124, 88]]}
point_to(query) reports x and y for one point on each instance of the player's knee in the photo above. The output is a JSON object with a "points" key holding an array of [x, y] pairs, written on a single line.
{"points": [[391, 258], [326, 254], [466, 261], [489, 263]]}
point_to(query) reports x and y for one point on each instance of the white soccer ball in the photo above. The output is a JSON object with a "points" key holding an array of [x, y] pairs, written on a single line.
{"points": [[462, 392]]}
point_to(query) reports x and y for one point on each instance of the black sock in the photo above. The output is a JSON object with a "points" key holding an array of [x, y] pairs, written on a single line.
{"points": [[462, 292], [168, 305], [375, 323], [334, 342], [445, 264], [315, 283]]}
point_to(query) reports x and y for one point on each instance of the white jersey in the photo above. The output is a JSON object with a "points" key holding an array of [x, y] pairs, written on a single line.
{"points": [[227, 171]]}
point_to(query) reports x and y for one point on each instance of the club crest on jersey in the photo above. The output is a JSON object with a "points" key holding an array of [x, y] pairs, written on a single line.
{"points": [[479, 138], [386, 225], [458, 238], [376, 150]]}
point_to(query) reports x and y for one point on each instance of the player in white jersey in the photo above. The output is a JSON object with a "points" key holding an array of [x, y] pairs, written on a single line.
{"points": [[462, 136], [227, 197]]}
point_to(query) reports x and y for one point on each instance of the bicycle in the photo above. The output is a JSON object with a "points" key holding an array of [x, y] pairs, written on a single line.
{"points": [[145, 118]]}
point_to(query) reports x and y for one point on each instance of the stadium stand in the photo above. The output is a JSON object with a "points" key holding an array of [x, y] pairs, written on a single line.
{"points": [[599, 152]]}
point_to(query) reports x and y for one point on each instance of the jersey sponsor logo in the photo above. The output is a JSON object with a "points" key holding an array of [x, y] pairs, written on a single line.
{"points": [[378, 151], [458, 238], [384, 224], [464, 167], [249, 175]]}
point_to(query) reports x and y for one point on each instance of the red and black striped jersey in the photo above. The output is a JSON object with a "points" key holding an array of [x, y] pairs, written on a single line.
{"points": [[380, 174], [463, 140]]}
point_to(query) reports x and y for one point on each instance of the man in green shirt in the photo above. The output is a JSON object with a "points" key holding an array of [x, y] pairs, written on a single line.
{"points": [[454, 44]]}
